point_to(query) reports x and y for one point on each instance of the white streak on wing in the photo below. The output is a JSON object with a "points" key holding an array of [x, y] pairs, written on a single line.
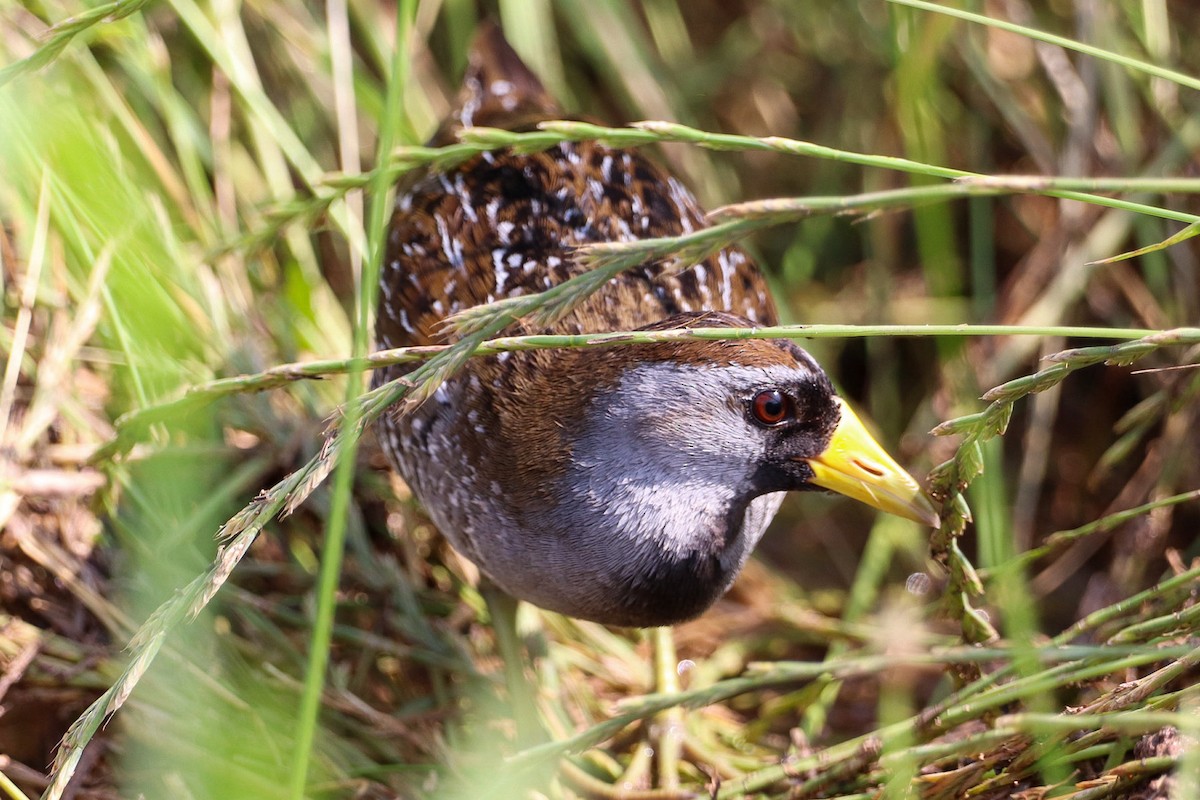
{"points": [[464, 198], [624, 232], [499, 269], [682, 200], [726, 280], [451, 247], [595, 189], [639, 210], [474, 98], [702, 282]]}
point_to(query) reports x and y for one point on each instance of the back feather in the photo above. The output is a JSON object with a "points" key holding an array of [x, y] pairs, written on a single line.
{"points": [[498, 89]]}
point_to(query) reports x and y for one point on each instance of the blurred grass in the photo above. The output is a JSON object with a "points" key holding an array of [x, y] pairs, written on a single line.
{"points": [[159, 134]]}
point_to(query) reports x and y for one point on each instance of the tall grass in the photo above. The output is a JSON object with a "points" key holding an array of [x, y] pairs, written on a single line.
{"points": [[184, 199]]}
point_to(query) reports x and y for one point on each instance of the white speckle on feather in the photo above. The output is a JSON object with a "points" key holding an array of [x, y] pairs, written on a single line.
{"points": [[452, 248], [499, 269], [727, 271], [474, 98], [464, 198]]}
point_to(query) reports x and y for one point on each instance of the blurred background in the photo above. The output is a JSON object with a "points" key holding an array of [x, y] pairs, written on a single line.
{"points": [[158, 165]]}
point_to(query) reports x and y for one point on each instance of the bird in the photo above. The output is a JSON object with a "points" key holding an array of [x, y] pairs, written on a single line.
{"points": [[625, 485]]}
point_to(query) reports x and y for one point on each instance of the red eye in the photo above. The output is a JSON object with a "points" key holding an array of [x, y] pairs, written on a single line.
{"points": [[770, 407]]}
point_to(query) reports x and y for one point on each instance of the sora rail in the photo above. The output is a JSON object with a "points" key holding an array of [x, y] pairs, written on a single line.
{"points": [[625, 485]]}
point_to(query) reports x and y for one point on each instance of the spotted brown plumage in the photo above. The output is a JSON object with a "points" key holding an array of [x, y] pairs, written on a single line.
{"points": [[625, 485]]}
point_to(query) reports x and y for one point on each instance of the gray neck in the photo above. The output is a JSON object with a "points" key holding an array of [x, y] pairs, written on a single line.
{"points": [[658, 510]]}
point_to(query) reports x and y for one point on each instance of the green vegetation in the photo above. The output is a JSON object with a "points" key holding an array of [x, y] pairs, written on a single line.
{"points": [[193, 200]]}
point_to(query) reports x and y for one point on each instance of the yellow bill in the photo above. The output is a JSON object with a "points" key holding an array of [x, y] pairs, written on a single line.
{"points": [[856, 465]]}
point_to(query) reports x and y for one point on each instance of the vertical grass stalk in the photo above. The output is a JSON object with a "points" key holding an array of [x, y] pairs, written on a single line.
{"points": [[331, 560]]}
